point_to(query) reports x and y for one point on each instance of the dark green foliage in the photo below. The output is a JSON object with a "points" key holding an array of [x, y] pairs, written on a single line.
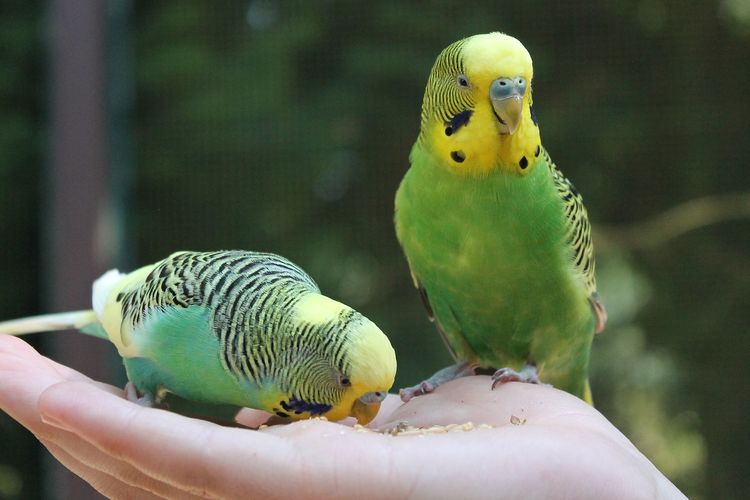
{"points": [[21, 151], [286, 126]]}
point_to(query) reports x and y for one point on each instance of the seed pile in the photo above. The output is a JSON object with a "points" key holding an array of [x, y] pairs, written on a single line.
{"points": [[405, 429]]}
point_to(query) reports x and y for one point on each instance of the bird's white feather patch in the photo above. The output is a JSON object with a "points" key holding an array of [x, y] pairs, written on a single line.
{"points": [[101, 290]]}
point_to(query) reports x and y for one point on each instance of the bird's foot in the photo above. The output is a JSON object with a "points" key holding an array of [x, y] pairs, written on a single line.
{"points": [[424, 387], [528, 374], [440, 377], [147, 400]]}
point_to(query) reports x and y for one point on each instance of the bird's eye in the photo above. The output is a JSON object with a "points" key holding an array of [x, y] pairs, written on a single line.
{"points": [[462, 81], [344, 381]]}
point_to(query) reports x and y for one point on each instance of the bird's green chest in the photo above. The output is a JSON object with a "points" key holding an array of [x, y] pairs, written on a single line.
{"points": [[491, 253]]}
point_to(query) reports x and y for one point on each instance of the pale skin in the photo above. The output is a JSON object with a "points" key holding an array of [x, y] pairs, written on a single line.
{"points": [[543, 444]]}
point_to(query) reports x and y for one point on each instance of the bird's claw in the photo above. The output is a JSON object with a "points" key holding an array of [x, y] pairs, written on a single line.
{"points": [[420, 389], [131, 393], [527, 374], [440, 377]]}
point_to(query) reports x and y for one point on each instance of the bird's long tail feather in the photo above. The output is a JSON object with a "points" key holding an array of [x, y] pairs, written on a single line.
{"points": [[79, 320]]}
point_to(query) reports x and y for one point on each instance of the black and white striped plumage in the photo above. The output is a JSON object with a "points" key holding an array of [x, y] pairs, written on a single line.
{"points": [[246, 329]]}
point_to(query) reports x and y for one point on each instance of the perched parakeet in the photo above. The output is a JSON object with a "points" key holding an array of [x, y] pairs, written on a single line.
{"points": [[497, 239], [236, 328]]}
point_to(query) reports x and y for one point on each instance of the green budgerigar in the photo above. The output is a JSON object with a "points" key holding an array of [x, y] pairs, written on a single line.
{"points": [[497, 239], [235, 328]]}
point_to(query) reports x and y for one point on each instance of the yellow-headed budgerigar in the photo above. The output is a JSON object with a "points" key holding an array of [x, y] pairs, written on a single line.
{"points": [[236, 328], [497, 239]]}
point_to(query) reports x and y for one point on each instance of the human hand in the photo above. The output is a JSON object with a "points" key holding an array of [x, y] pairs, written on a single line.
{"points": [[543, 443]]}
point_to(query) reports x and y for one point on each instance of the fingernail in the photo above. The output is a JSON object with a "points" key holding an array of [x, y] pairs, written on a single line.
{"points": [[51, 420]]}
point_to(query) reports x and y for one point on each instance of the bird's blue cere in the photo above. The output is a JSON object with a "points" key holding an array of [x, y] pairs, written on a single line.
{"points": [[503, 88]]}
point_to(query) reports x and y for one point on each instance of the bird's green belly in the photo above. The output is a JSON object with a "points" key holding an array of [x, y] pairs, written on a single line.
{"points": [[495, 266], [181, 355], [496, 303]]}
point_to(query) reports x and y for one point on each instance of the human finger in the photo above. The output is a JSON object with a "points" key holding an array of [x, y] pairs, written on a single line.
{"points": [[91, 464], [105, 484], [192, 455]]}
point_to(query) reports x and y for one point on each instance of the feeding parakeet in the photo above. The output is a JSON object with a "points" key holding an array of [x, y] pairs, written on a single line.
{"points": [[236, 328], [497, 239]]}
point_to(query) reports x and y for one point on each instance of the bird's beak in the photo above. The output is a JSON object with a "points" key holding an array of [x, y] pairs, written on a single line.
{"points": [[365, 408], [507, 101]]}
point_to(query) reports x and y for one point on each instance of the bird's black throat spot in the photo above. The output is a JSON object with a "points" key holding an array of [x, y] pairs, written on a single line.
{"points": [[538, 150], [459, 120], [279, 412], [298, 406], [523, 163], [458, 156]]}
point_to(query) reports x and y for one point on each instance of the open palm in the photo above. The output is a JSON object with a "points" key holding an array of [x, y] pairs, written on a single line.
{"points": [[537, 443]]}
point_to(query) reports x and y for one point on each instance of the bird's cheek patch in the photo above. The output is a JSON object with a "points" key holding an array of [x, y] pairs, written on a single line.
{"points": [[299, 406], [459, 120]]}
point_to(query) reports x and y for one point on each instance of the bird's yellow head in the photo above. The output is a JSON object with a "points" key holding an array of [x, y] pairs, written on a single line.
{"points": [[476, 113], [373, 370], [351, 365]]}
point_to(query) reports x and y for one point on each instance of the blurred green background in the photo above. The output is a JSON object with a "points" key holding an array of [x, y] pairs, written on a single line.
{"points": [[286, 127]]}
